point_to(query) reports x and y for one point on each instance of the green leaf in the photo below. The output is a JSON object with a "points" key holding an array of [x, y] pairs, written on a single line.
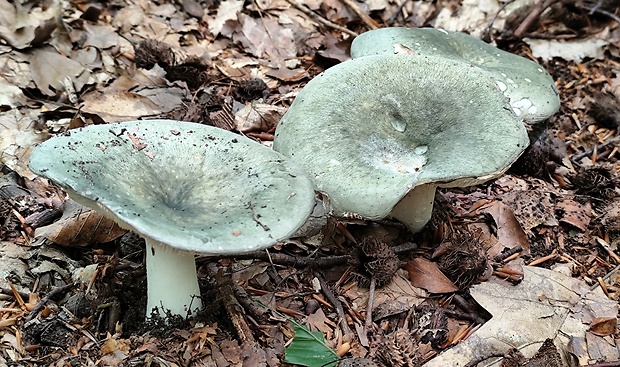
{"points": [[309, 349]]}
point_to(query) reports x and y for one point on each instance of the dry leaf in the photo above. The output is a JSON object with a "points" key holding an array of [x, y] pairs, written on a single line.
{"points": [[316, 321], [227, 10], [574, 213], [266, 38], [100, 36], [532, 208], [258, 116], [10, 95], [542, 306], [603, 326], [288, 75], [51, 69], [509, 231], [425, 274], [119, 106], [22, 27], [80, 226], [17, 129]]}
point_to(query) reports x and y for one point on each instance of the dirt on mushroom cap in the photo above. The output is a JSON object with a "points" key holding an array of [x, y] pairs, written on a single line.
{"points": [[194, 187]]}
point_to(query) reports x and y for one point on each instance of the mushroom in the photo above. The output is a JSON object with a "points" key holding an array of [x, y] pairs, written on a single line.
{"points": [[532, 92], [378, 134], [186, 188]]}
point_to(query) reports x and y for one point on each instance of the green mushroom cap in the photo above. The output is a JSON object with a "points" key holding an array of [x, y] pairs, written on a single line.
{"points": [[532, 92], [192, 187], [371, 129]]}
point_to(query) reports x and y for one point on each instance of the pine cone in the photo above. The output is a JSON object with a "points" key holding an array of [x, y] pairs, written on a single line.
{"points": [[399, 349]]}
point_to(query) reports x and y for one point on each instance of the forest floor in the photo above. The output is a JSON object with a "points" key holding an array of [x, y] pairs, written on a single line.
{"points": [[73, 285]]}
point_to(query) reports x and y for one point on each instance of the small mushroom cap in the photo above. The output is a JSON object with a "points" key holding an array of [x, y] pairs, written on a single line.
{"points": [[532, 92], [193, 187], [370, 129]]}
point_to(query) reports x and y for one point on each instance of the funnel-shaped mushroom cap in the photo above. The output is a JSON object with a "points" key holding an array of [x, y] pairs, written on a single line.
{"points": [[192, 187], [531, 90], [370, 129]]}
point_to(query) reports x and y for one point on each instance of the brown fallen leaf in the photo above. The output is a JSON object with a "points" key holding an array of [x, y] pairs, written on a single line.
{"points": [[574, 213], [288, 75], [532, 207], [51, 69], [603, 326], [258, 116], [119, 106], [426, 274], [509, 231], [22, 25], [266, 38], [80, 226]]}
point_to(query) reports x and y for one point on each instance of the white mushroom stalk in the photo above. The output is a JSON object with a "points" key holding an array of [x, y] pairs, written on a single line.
{"points": [[415, 209], [386, 130], [173, 283], [186, 188]]}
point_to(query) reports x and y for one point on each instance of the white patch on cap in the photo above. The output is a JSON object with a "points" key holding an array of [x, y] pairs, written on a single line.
{"points": [[540, 70], [400, 49], [422, 149], [510, 81], [523, 104], [528, 80], [390, 155], [517, 111], [443, 30], [502, 87], [532, 110]]}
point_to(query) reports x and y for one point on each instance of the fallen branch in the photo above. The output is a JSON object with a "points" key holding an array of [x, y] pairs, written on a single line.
{"points": [[48, 297], [332, 298], [536, 11], [320, 19], [598, 148], [366, 19]]}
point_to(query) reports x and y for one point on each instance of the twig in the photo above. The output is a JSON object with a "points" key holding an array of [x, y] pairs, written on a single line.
{"points": [[366, 19], [9, 292], [371, 300], [332, 298], [234, 310], [506, 254], [306, 262], [49, 296], [598, 148], [398, 11], [486, 32], [476, 360], [596, 9], [537, 9], [404, 247], [320, 19], [464, 316], [294, 261]]}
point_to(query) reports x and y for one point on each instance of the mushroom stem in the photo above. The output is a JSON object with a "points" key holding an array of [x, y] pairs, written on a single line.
{"points": [[172, 281], [414, 209]]}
